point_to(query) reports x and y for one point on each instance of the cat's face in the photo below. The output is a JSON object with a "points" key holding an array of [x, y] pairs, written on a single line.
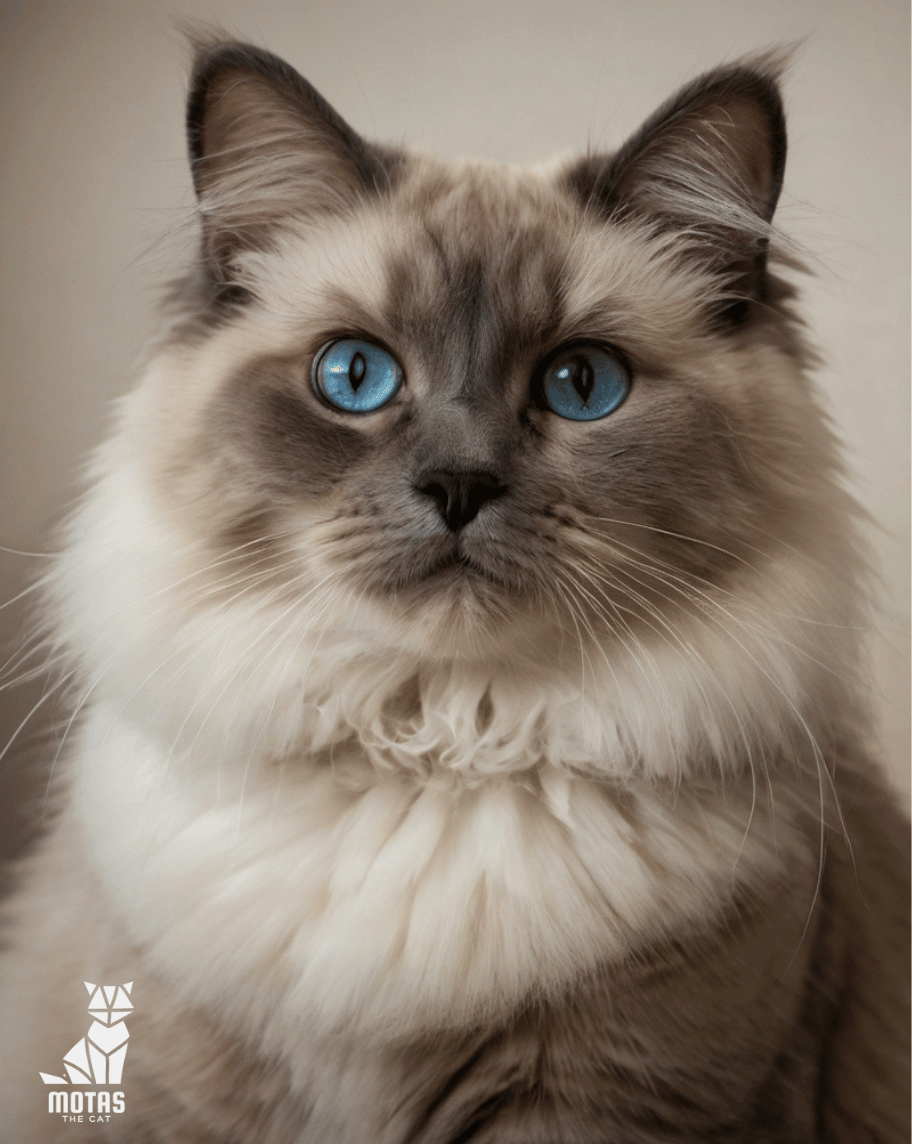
{"points": [[464, 494]]}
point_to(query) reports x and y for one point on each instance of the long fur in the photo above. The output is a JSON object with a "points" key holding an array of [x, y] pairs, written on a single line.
{"points": [[574, 838]]}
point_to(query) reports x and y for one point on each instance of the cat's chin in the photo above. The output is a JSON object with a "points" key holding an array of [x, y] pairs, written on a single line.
{"points": [[467, 619], [459, 604], [449, 603]]}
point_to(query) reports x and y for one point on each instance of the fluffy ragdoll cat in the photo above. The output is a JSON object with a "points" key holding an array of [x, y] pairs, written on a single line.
{"points": [[467, 740]]}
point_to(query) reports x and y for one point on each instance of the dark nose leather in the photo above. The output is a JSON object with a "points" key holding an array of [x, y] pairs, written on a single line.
{"points": [[459, 495]]}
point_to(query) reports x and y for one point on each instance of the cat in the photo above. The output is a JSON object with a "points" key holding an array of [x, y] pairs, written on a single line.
{"points": [[468, 738]]}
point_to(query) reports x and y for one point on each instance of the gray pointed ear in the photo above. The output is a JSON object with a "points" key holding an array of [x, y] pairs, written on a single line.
{"points": [[265, 147], [708, 165]]}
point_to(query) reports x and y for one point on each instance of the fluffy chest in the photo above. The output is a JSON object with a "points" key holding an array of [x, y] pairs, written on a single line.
{"points": [[297, 902]]}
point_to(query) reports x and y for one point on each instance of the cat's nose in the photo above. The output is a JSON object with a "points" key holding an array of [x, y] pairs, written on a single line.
{"points": [[459, 494]]}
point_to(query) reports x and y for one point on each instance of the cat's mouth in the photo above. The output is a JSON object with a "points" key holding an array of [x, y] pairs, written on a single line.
{"points": [[455, 559], [458, 566], [457, 562], [453, 571]]}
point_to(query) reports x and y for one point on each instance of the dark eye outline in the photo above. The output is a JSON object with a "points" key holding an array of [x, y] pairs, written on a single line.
{"points": [[568, 348], [318, 360]]}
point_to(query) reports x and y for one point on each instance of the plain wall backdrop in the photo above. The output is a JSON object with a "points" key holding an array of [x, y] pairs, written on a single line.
{"points": [[96, 209]]}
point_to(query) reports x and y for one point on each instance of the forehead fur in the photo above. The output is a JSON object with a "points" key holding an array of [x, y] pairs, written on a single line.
{"points": [[471, 244]]}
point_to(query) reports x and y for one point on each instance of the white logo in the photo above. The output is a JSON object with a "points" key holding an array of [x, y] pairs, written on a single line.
{"points": [[99, 1057]]}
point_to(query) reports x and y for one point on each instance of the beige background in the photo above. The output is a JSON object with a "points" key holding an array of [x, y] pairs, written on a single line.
{"points": [[97, 207]]}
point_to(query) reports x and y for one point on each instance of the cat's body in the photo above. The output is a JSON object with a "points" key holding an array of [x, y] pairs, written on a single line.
{"points": [[469, 747]]}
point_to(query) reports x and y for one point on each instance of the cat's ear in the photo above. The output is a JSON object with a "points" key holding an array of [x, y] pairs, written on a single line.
{"points": [[708, 166], [266, 147]]}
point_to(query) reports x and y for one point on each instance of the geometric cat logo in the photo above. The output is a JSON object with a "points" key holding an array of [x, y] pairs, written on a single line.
{"points": [[99, 1057]]}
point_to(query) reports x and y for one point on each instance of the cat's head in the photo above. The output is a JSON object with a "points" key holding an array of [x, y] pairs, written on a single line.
{"points": [[475, 414], [471, 394]]}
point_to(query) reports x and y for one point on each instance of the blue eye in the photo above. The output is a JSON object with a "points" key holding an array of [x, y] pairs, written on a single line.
{"points": [[356, 376], [584, 383]]}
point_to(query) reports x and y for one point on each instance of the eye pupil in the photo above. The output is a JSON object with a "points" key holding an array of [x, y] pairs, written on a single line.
{"points": [[357, 370], [582, 376]]}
